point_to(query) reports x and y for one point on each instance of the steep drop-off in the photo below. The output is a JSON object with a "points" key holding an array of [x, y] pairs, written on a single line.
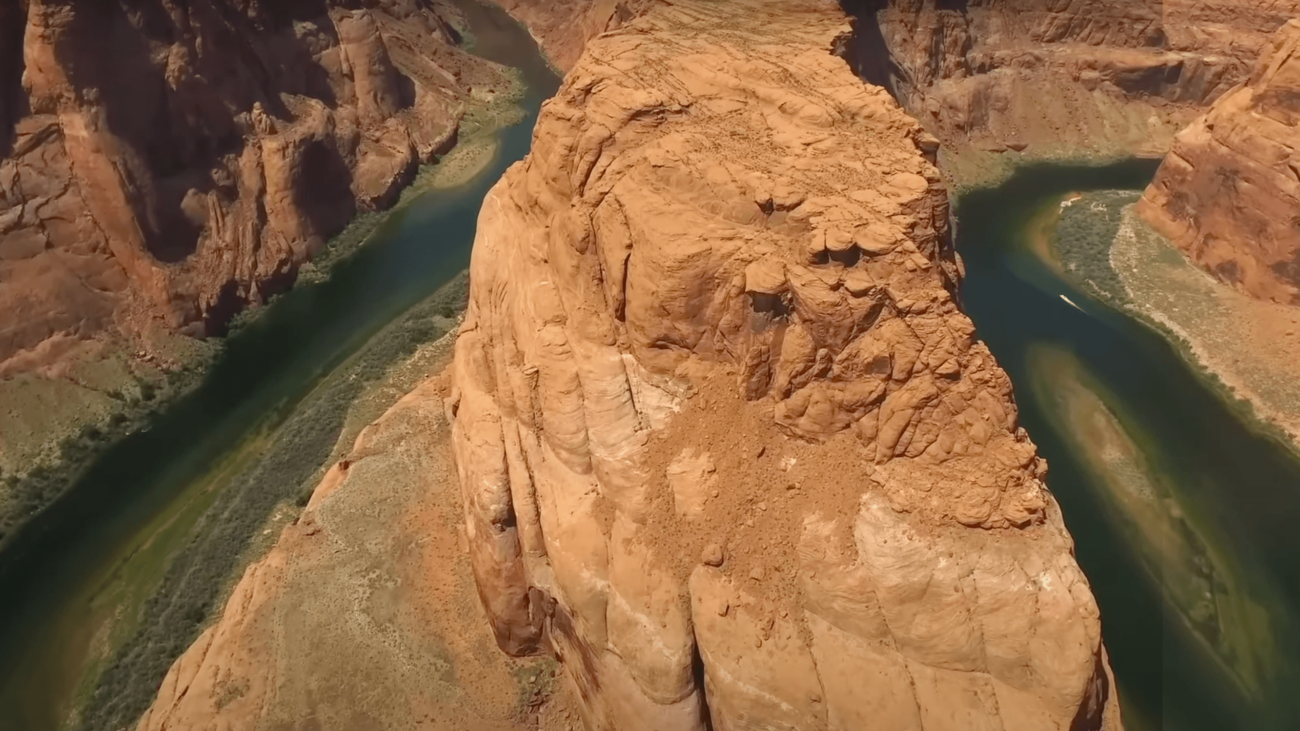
{"points": [[728, 446], [169, 163], [1228, 194]]}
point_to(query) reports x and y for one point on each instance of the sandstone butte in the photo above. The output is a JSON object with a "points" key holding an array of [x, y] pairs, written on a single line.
{"points": [[1228, 194], [728, 448], [199, 169]]}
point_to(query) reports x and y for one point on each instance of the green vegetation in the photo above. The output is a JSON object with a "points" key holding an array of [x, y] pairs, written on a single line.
{"points": [[535, 682], [1084, 236], [283, 474], [23, 495]]}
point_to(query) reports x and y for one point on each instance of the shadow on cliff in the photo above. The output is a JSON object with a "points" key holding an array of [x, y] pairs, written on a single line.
{"points": [[12, 100], [866, 50], [182, 124]]}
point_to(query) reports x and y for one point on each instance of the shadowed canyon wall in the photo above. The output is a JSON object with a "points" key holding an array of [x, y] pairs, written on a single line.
{"points": [[1017, 74], [1229, 193], [172, 162], [728, 446]]}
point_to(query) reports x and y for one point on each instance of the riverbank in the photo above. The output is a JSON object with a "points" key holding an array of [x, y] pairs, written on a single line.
{"points": [[1144, 422], [162, 594], [120, 575], [374, 572], [1247, 350], [1250, 349]]}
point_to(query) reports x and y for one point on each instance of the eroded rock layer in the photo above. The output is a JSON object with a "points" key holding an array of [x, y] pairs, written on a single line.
{"points": [[1229, 192], [1121, 74], [174, 161], [727, 444]]}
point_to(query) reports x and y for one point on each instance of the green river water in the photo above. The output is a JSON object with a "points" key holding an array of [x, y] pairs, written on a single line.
{"points": [[1184, 517]]}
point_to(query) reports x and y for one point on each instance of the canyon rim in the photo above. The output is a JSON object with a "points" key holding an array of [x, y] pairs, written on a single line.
{"points": [[715, 433]]}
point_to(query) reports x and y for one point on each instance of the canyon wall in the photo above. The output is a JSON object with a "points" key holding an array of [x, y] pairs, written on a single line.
{"points": [[1073, 77], [172, 162], [1228, 194], [727, 445], [562, 28]]}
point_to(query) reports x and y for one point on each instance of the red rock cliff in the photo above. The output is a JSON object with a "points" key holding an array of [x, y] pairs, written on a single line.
{"points": [[1229, 193], [175, 161], [727, 444]]}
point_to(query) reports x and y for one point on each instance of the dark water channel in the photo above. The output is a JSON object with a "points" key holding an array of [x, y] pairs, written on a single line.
{"points": [[1185, 517], [106, 543]]}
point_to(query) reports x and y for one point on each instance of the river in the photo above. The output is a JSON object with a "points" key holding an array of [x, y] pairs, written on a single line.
{"points": [[1184, 517], [117, 543]]}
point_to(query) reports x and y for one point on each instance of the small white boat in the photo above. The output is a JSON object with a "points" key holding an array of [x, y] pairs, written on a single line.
{"points": [[1071, 303]]}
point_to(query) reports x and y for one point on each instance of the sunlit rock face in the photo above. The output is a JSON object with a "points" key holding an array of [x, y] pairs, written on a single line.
{"points": [[1229, 193], [167, 163], [727, 444]]}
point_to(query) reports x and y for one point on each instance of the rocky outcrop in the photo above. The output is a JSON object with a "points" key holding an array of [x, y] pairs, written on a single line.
{"points": [[1229, 193], [727, 445], [1032, 73], [167, 161]]}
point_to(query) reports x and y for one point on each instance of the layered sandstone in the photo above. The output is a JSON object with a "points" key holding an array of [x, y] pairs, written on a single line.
{"points": [[170, 162], [727, 444], [1093, 75], [1228, 194]]}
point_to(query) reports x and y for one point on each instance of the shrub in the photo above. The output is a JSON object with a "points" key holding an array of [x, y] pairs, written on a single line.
{"points": [[1084, 235]]}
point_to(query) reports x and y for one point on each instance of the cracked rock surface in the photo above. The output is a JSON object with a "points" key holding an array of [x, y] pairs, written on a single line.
{"points": [[727, 444]]}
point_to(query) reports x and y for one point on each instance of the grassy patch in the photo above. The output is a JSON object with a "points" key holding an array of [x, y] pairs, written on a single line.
{"points": [[535, 682], [1084, 236], [133, 405]]}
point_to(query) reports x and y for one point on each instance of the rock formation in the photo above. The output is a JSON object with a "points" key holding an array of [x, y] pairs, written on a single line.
{"points": [[727, 444], [173, 161], [1122, 74], [1229, 193]]}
